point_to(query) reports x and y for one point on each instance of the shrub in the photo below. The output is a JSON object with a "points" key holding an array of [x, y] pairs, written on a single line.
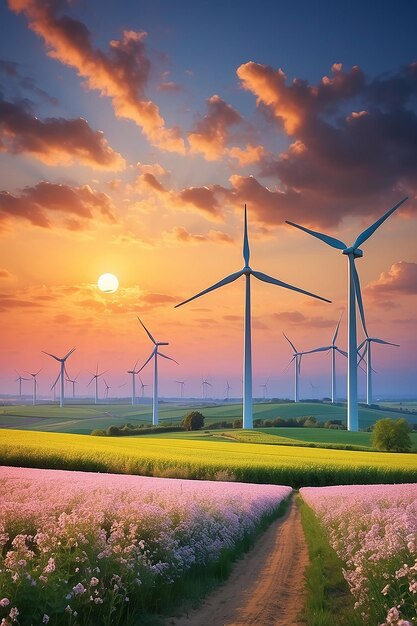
{"points": [[193, 421], [238, 423], [113, 431], [99, 432], [391, 435], [278, 422]]}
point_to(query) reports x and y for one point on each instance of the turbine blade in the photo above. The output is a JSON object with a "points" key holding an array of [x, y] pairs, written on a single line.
{"points": [[221, 283], [52, 355], [290, 342], [336, 332], [362, 356], [67, 355], [147, 332], [91, 380], [57, 378], [358, 292], [299, 363], [246, 251], [147, 360], [169, 358], [285, 368], [324, 349], [361, 344], [342, 352], [331, 241], [388, 343], [370, 231], [268, 279]]}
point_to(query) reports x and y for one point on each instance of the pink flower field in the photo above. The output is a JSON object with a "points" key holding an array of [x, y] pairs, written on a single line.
{"points": [[84, 548], [373, 529]]}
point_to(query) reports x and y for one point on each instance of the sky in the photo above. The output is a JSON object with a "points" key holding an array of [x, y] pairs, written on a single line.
{"points": [[131, 136]]}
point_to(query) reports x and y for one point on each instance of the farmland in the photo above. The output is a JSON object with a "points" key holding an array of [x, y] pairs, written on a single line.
{"points": [[158, 456], [83, 418]]}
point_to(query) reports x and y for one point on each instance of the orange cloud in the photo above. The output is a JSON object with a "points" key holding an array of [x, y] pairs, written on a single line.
{"points": [[121, 74], [179, 234], [247, 156], [401, 278], [49, 204], [295, 318], [211, 133], [5, 273], [54, 140]]}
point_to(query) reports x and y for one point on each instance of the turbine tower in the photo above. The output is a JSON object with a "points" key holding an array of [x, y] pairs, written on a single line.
{"points": [[354, 296], [265, 388], [134, 372], [62, 373], [154, 355], [333, 347], [247, 272], [204, 384], [19, 380], [297, 356], [367, 351], [96, 376], [181, 383], [34, 386]]}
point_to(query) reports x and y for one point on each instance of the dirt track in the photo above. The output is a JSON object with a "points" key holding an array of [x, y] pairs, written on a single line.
{"points": [[265, 587]]}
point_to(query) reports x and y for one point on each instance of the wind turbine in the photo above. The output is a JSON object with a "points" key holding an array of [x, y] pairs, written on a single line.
{"points": [[19, 380], [154, 355], [204, 384], [181, 383], [367, 342], [247, 272], [354, 296], [96, 376], [73, 382], [265, 388], [62, 372], [296, 357], [228, 388], [34, 386], [142, 385], [134, 372], [333, 347]]}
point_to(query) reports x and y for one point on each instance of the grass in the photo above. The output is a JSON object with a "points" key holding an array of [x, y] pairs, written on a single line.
{"points": [[193, 458], [329, 602], [82, 418]]}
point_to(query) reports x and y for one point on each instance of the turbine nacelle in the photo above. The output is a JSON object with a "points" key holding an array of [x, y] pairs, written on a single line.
{"points": [[357, 252]]}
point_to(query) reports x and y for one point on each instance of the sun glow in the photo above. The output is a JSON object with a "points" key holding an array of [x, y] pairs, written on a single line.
{"points": [[108, 283]]}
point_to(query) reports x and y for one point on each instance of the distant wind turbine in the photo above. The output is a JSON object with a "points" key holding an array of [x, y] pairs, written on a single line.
{"points": [[142, 386], [62, 373], [181, 383], [354, 296], [367, 342], [73, 383], [265, 388], [34, 385], [247, 271], [204, 384], [228, 388], [334, 349], [19, 380], [134, 372], [96, 376], [154, 355], [296, 357]]}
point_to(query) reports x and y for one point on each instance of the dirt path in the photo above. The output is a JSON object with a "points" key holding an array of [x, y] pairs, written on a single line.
{"points": [[265, 587]]}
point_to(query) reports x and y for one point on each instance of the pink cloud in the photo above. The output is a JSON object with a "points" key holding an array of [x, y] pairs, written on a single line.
{"points": [[400, 279], [121, 73], [211, 133], [49, 204], [54, 140]]}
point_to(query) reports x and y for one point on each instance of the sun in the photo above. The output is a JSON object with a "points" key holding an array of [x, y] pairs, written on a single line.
{"points": [[108, 283]]}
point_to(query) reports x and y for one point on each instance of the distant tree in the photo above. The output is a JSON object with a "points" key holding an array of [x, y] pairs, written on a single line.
{"points": [[391, 435], [237, 423], [193, 421], [99, 432]]}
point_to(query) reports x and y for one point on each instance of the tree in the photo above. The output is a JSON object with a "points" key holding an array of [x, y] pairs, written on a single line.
{"points": [[391, 435], [193, 421]]}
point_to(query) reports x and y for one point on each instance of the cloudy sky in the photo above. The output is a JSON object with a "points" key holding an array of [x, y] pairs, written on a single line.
{"points": [[131, 136]]}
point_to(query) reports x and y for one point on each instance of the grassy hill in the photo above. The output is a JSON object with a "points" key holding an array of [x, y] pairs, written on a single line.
{"points": [[82, 419]]}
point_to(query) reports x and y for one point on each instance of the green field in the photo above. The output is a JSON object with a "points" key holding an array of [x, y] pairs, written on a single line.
{"points": [[249, 462], [82, 419]]}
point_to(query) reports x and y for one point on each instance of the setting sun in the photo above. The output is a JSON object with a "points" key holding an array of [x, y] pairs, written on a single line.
{"points": [[108, 283]]}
